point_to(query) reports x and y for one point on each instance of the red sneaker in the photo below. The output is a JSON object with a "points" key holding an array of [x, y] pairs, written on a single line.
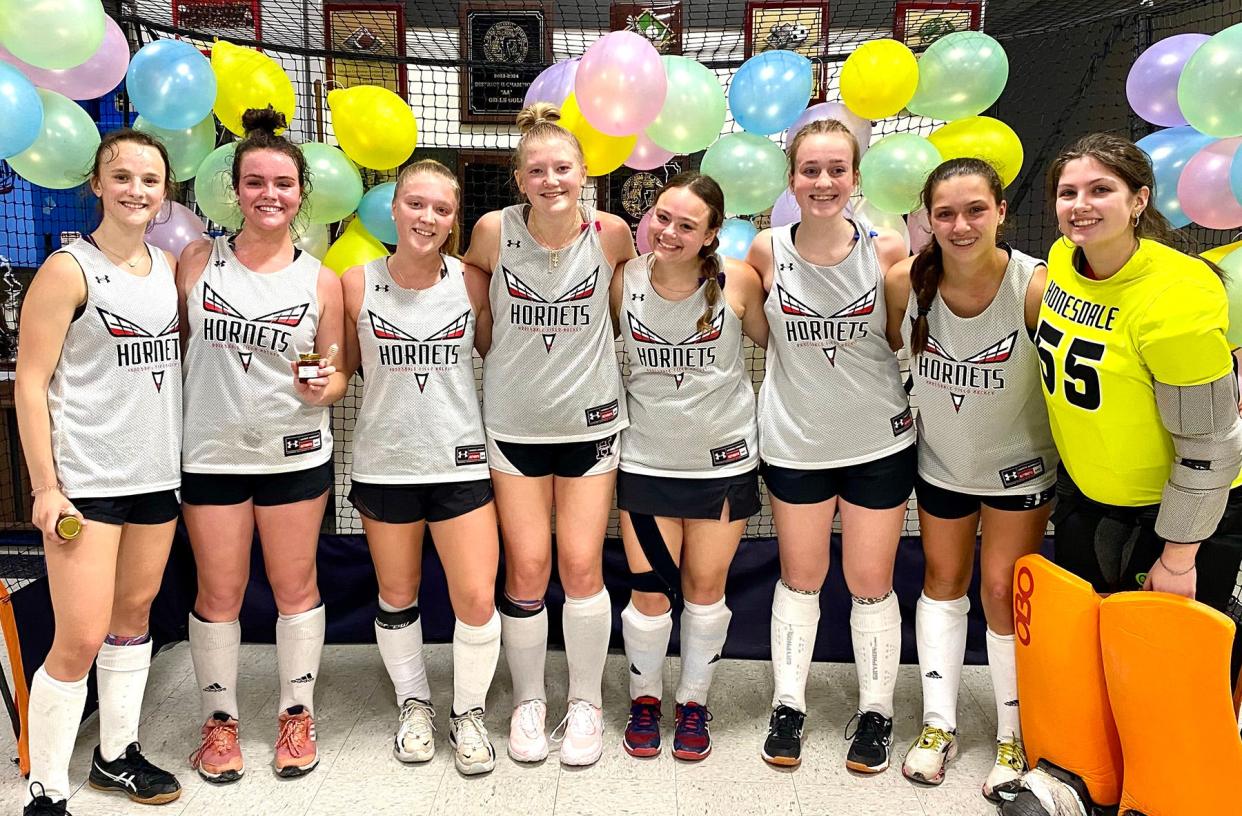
{"points": [[692, 741], [219, 757], [296, 754]]}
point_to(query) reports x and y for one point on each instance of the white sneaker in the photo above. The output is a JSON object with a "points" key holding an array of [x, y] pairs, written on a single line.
{"points": [[473, 752], [527, 742], [928, 756], [582, 734], [1010, 765], [415, 740]]}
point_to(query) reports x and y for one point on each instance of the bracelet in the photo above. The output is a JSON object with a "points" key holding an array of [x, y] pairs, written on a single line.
{"points": [[36, 491], [1172, 572]]}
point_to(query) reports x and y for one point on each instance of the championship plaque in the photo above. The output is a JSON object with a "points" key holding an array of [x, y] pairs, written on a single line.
{"points": [[630, 193], [367, 30], [919, 23], [659, 22], [504, 46], [234, 20], [801, 27]]}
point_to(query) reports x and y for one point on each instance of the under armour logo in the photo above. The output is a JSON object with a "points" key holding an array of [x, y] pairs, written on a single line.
{"points": [[219, 263], [511, 243], [637, 296], [381, 287], [104, 279], [784, 267]]}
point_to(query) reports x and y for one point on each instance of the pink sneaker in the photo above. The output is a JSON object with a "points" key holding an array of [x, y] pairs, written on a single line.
{"points": [[219, 757], [296, 754], [527, 742], [582, 737]]}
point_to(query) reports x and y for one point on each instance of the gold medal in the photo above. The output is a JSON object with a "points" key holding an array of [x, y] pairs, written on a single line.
{"points": [[68, 527]]}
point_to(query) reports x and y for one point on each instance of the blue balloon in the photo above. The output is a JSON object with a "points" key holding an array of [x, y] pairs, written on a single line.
{"points": [[735, 237], [171, 84], [1235, 175], [375, 210], [1170, 149], [770, 91], [21, 112]]}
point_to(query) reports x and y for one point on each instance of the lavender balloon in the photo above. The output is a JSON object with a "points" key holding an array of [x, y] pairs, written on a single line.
{"points": [[175, 227], [90, 80], [1151, 86], [860, 127], [553, 84], [620, 85], [786, 210]]}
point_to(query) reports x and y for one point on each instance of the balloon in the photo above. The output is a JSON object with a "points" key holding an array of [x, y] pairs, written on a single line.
{"points": [[735, 237], [770, 91], [1151, 86], [1235, 176], [750, 169], [336, 185], [961, 74], [553, 84], [373, 125], [1204, 186], [879, 78], [786, 210], [1217, 254], [171, 84], [895, 169], [861, 128], [1208, 90], [21, 112], [918, 225], [355, 247], [314, 239], [93, 78], [62, 155], [620, 83], [694, 108], [247, 79], [1232, 264], [53, 34], [175, 227], [647, 155], [1169, 151], [375, 212], [981, 137], [213, 188], [603, 153], [642, 239], [866, 212], [187, 147]]}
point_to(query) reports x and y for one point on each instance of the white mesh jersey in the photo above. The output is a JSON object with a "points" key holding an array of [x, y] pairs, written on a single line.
{"points": [[115, 397], [419, 421], [691, 404], [832, 395], [982, 423], [242, 414], [551, 374]]}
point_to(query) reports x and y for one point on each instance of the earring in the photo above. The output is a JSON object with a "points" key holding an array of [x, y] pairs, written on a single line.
{"points": [[1136, 217]]}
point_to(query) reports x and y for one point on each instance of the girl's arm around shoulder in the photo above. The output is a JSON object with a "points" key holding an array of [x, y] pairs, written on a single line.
{"points": [[187, 272], [331, 383], [890, 248], [896, 298], [760, 257], [1035, 295], [353, 291], [616, 290], [745, 293], [616, 239], [484, 249], [478, 285]]}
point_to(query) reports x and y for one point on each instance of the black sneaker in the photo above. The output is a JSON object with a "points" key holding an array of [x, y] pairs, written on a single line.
{"points": [[43, 804], [783, 746], [870, 744], [134, 776]]}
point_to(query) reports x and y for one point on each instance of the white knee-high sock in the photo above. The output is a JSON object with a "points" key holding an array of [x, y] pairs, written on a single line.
{"points": [[399, 635], [876, 631], [526, 649], [587, 624], [122, 674], [646, 646], [55, 711], [475, 652], [214, 649], [795, 622], [1003, 664], [299, 644], [940, 632], [704, 628]]}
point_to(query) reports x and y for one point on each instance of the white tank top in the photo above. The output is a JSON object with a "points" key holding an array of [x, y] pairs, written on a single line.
{"points": [[982, 422], [115, 397], [419, 421], [691, 404], [242, 414], [832, 394], [551, 374]]}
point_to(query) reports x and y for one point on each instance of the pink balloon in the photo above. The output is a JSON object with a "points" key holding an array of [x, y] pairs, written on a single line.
{"points": [[860, 127], [647, 155], [553, 84], [621, 85], [1204, 190], [175, 227], [919, 226], [90, 80], [642, 239], [786, 210], [1151, 86]]}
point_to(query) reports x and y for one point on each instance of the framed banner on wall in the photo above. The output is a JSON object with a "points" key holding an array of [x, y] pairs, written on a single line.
{"points": [[369, 30], [659, 22], [919, 23], [227, 19], [801, 27], [504, 44]]}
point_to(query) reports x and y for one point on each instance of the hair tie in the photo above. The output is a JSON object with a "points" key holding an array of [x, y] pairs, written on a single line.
{"points": [[924, 311]]}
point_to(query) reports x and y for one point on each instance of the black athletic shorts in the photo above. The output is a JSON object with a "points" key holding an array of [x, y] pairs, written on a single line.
{"points": [[675, 497], [880, 484], [565, 459], [159, 507], [265, 489], [408, 503], [954, 504]]}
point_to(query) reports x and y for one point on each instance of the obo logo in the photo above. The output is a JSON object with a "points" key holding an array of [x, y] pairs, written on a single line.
{"points": [[1023, 589]]}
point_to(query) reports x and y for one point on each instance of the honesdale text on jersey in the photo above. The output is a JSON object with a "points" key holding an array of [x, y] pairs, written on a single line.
{"points": [[1080, 310]]}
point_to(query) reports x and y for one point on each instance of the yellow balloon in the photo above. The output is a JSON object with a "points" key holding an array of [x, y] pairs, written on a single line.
{"points": [[355, 247], [247, 79], [879, 78], [374, 126], [981, 137], [603, 153], [1218, 254]]}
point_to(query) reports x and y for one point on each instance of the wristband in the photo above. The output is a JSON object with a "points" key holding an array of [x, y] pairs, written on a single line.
{"points": [[1174, 572], [36, 491]]}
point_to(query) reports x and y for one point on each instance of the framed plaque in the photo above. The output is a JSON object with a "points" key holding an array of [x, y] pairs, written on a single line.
{"points": [[659, 22], [919, 23], [368, 30], [630, 193], [486, 179], [226, 19], [790, 26], [504, 46]]}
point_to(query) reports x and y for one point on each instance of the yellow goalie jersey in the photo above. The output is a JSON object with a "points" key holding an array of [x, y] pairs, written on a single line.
{"points": [[1101, 343]]}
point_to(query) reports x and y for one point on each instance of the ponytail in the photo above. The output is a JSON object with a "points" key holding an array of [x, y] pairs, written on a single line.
{"points": [[925, 274], [712, 272]]}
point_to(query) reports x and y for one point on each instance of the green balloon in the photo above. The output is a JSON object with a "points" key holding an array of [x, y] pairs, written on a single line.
{"points": [[750, 169], [213, 188], [336, 185], [1209, 91], [894, 170], [694, 108], [186, 148], [1232, 264], [62, 155], [961, 74], [53, 34]]}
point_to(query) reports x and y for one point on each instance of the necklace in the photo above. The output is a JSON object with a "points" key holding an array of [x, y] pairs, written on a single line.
{"points": [[122, 258], [665, 286], [554, 255]]}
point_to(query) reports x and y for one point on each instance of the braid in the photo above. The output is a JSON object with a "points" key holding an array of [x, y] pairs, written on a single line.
{"points": [[712, 271], [925, 274]]}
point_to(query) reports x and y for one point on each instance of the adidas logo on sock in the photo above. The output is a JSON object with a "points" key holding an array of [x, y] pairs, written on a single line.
{"points": [[306, 678], [1011, 703], [634, 670], [214, 687], [933, 675]]}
